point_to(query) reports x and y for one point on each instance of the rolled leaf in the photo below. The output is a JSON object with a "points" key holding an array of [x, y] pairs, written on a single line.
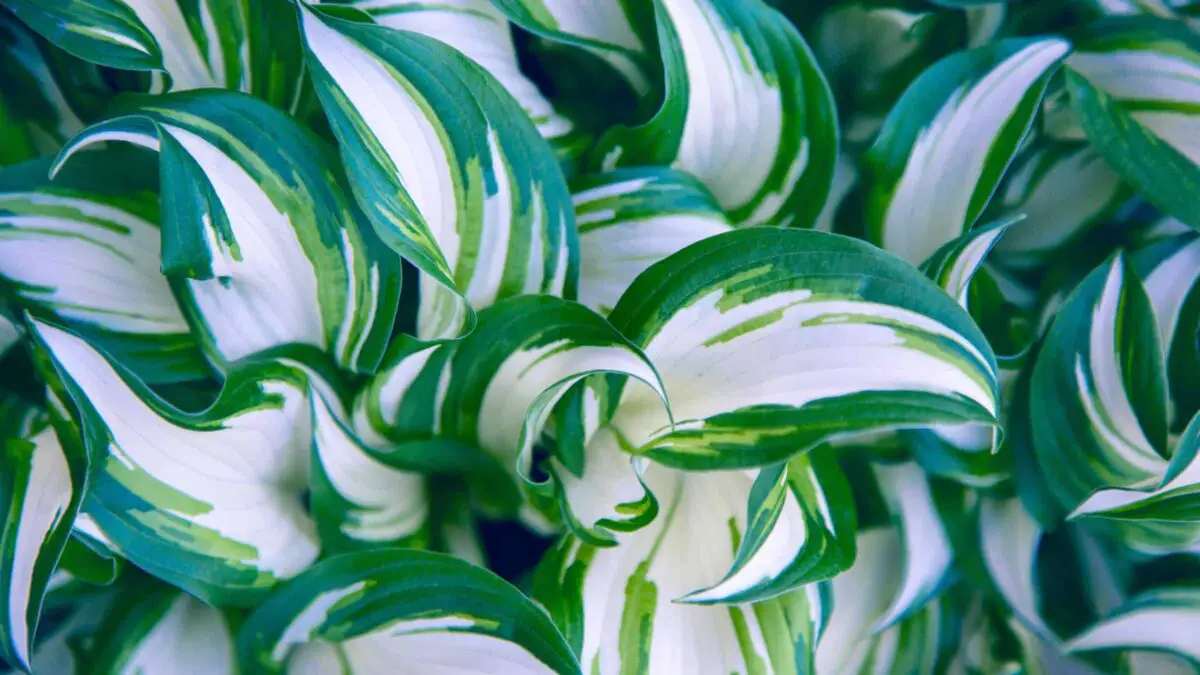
{"points": [[949, 140], [374, 612], [617, 606], [1158, 619], [41, 489], [256, 219], [85, 250], [954, 265], [147, 493], [631, 218], [479, 205], [730, 66]]}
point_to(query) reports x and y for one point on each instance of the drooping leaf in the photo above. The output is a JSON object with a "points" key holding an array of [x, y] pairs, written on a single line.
{"points": [[255, 218], [375, 612]]}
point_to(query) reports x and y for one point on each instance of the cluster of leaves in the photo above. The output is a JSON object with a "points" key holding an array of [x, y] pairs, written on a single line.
{"points": [[818, 337]]}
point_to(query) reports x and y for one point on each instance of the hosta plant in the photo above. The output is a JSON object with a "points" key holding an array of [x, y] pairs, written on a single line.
{"points": [[600, 336]]}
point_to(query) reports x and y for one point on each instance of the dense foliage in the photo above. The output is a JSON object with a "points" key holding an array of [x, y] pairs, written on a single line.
{"points": [[733, 336]]}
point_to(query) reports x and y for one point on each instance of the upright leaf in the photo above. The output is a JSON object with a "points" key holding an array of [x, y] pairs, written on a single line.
{"points": [[730, 66], [450, 171], [945, 146]]}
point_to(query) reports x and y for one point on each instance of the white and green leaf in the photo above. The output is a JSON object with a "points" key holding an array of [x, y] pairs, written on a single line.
{"points": [[256, 221], [448, 168], [1134, 88], [85, 250], [374, 612], [631, 218], [1158, 620], [40, 493], [482, 33], [1063, 190], [947, 143], [148, 495], [618, 605], [730, 66], [161, 630]]}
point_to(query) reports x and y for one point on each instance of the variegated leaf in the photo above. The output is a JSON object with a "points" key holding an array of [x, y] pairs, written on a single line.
{"points": [[1134, 85], [728, 66], [945, 146], [480, 204], [1063, 190], [8, 335], [84, 249], [36, 110], [955, 264], [374, 612], [359, 501], [1101, 348], [495, 388], [851, 642], [481, 32], [617, 605], [40, 493], [161, 630], [619, 32], [256, 219], [1009, 538], [171, 490], [756, 334], [196, 44], [631, 218], [1160, 619]]}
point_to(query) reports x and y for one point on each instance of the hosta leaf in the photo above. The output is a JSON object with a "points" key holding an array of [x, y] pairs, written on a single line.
{"points": [[619, 32], [448, 168], [147, 494], [255, 216], [481, 32], [1171, 270], [162, 631], [871, 52], [770, 342], [41, 489], [927, 550], [495, 388], [849, 642], [631, 218], [1063, 189], [954, 265], [358, 500], [945, 146], [1160, 619], [617, 606], [729, 66], [1101, 370], [84, 250], [1134, 86], [36, 113], [196, 44], [799, 531], [1010, 537], [58, 649], [374, 612]]}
